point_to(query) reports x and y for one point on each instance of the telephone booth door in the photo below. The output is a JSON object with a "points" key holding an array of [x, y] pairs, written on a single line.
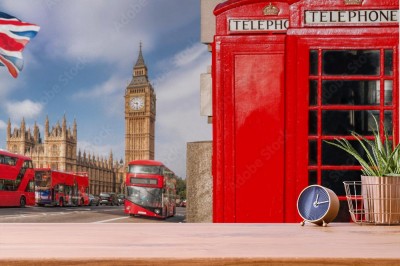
{"points": [[343, 86], [251, 113], [341, 75]]}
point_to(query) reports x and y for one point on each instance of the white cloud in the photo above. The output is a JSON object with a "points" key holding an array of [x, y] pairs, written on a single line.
{"points": [[3, 125], [176, 84], [178, 109], [101, 150], [24, 109], [72, 29], [110, 87], [79, 28], [189, 55], [7, 85], [89, 34], [110, 94]]}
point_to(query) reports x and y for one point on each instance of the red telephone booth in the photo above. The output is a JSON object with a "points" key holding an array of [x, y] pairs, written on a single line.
{"points": [[288, 75]]}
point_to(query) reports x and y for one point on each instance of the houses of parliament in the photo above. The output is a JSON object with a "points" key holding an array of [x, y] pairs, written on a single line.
{"points": [[58, 147]]}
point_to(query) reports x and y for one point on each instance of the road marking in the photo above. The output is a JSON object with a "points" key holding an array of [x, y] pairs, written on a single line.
{"points": [[110, 220], [28, 215], [103, 210]]}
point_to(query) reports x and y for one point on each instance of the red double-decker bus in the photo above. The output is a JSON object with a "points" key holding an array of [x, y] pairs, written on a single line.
{"points": [[16, 180], [54, 188], [150, 189]]}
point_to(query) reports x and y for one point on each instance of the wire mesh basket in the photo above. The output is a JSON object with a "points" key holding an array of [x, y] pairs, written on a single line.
{"points": [[375, 202]]}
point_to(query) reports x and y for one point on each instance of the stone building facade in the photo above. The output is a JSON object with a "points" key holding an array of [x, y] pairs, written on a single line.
{"points": [[58, 151]]}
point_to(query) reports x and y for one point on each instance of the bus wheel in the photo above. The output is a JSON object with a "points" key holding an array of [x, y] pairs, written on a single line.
{"points": [[82, 202], [61, 202], [22, 202]]}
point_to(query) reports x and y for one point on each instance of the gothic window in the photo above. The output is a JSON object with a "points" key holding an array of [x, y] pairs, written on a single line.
{"points": [[54, 150]]}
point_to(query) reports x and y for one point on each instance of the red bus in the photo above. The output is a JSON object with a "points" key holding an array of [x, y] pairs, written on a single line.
{"points": [[16, 180], [56, 188], [150, 189]]}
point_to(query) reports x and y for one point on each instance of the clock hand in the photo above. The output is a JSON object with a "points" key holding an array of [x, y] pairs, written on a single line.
{"points": [[316, 201], [323, 202]]}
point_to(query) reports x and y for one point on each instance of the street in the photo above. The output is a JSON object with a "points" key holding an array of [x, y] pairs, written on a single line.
{"points": [[85, 214]]}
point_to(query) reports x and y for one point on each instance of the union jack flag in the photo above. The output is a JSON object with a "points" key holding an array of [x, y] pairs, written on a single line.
{"points": [[14, 35]]}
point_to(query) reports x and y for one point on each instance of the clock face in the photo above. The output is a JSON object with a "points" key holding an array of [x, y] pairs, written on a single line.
{"points": [[137, 103], [313, 203]]}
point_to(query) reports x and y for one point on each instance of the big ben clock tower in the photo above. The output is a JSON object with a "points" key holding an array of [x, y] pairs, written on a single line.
{"points": [[140, 114]]}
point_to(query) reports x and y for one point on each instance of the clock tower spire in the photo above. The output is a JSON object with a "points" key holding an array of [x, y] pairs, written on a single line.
{"points": [[140, 69], [140, 114]]}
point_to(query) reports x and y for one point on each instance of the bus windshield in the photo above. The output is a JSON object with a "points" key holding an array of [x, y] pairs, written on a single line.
{"points": [[146, 197], [145, 169], [42, 180]]}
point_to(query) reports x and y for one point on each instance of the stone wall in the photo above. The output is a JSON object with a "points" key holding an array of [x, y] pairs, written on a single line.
{"points": [[208, 20], [199, 182]]}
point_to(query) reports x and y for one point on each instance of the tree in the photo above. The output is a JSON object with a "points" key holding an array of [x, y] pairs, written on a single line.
{"points": [[180, 188]]}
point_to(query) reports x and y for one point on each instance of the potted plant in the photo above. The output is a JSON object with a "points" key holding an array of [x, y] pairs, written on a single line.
{"points": [[380, 180]]}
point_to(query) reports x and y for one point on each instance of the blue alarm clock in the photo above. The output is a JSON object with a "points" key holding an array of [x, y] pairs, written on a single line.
{"points": [[317, 204]]}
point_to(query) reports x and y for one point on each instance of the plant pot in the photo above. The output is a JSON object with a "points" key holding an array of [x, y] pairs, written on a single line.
{"points": [[381, 198]]}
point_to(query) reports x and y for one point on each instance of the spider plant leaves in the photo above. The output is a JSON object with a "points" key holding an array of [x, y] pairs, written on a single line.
{"points": [[368, 168], [381, 158]]}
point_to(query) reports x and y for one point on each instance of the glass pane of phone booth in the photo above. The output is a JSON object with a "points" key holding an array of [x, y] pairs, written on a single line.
{"points": [[347, 90]]}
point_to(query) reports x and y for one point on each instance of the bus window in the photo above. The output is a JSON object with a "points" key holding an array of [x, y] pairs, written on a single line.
{"points": [[28, 164], [144, 169], [10, 161], [30, 187], [68, 190], [9, 185], [144, 181]]}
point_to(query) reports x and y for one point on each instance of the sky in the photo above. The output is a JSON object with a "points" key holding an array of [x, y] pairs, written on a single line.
{"points": [[81, 62]]}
